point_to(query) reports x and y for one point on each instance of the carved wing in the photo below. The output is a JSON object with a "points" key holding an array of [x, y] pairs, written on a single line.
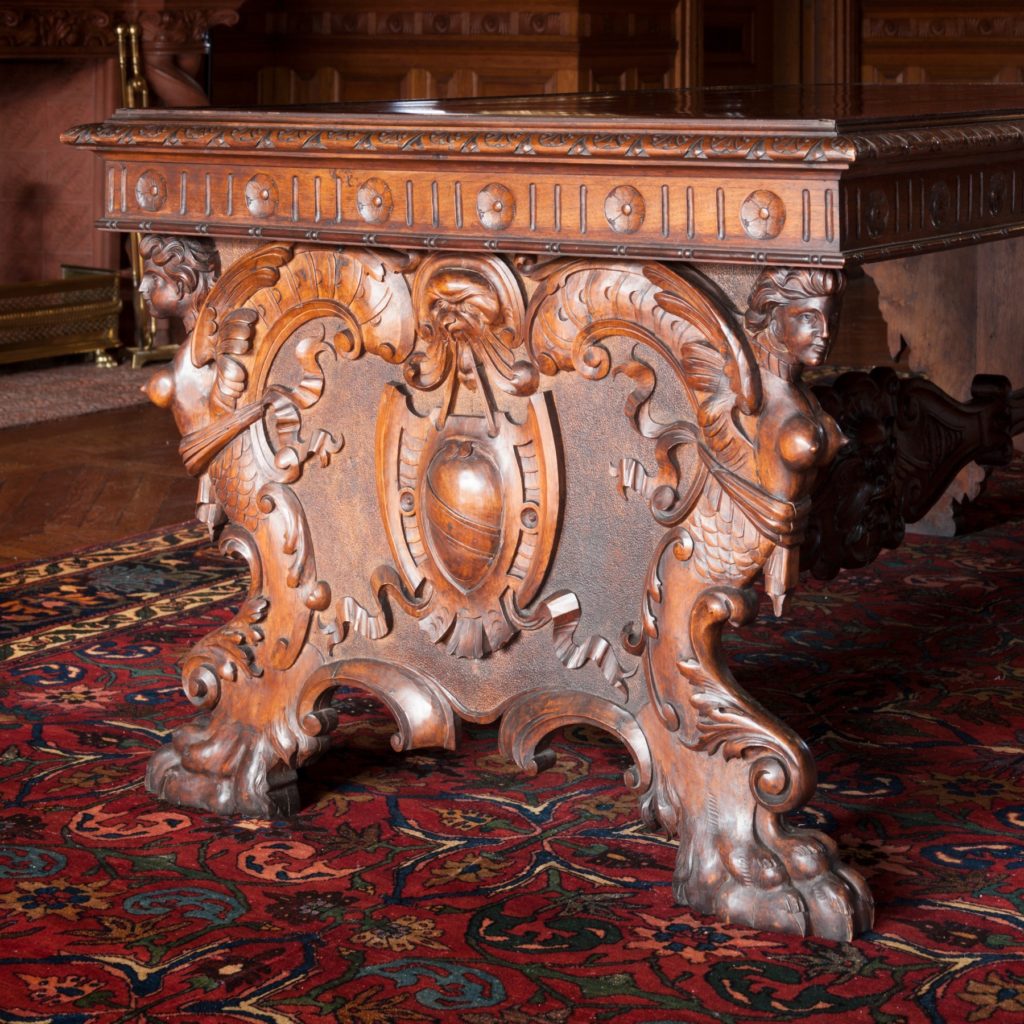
{"points": [[718, 366], [681, 316]]}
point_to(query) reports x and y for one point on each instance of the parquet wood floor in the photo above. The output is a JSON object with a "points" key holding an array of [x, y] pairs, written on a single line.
{"points": [[68, 484]]}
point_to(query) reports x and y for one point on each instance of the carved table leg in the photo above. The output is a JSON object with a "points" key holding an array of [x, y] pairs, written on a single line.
{"points": [[732, 486], [256, 678], [227, 760], [908, 440], [726, 771]]}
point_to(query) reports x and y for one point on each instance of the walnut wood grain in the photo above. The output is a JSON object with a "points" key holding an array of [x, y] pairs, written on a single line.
{"points": [[503, 405], [468, 459], [837, 179]]}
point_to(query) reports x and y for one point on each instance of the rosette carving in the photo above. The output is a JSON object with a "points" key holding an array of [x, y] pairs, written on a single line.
{"points": [[763, 214], [876, 219], [496, 207], [375, 201], [624, 209], [261, 195], [996, 193], [151, 191]]}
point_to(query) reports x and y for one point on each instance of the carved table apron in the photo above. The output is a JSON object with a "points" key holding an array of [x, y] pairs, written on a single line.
{"points": [[502, 404]]}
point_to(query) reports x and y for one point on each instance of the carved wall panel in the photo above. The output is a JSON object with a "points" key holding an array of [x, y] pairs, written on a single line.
{"points": [[942, 41], [47, 211]]}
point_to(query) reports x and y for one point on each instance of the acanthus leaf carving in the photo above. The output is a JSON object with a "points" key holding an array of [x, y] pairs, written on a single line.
{"points": [[733, 484], [470, 316], [288, 621]]}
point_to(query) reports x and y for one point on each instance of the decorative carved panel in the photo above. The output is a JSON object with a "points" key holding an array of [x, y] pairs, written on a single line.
{"points": [[468, 459], [471, 514]]}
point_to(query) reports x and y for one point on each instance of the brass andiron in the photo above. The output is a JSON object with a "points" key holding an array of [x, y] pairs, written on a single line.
{"points": [[135, 94]]}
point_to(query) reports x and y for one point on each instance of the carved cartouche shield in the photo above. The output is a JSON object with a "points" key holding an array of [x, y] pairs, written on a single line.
{"points": [[473, 515]]}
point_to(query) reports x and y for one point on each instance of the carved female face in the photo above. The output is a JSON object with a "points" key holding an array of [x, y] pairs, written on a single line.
{"points": [[800, 329], [165, 296]]}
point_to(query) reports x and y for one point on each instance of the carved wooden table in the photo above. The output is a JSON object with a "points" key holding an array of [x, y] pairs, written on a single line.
{"points": [[501, 401]]}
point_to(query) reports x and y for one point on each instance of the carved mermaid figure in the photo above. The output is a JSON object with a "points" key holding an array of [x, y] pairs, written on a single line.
{"points": [[790, 323], [732, 485], [763, 439]]}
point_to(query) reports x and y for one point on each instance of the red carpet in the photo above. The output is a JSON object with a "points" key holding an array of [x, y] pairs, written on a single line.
{"points": [[450, 887]]}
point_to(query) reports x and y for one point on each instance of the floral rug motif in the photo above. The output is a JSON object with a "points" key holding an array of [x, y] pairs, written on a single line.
{"points": [[437, 886]]}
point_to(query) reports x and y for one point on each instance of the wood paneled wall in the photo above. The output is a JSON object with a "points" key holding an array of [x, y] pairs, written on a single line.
{"points": [[322, 51], [939, 40]]}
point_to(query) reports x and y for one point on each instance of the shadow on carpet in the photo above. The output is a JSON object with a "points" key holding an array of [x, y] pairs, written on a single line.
{"points": [[437, 886]]}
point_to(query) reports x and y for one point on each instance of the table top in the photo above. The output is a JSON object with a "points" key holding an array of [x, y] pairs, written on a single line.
{"points": [[840, 107], [826, 174]]}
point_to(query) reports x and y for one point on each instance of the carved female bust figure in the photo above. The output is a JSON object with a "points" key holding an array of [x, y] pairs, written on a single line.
{"points": [[790, 322]]}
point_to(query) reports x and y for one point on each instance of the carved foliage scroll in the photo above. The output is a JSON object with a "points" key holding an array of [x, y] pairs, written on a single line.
{"points": [[469, 484], [245, 435]]}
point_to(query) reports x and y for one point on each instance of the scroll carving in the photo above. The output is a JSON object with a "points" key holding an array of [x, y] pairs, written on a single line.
{"points": [[470, 487], [245, 436], [732, 486]]}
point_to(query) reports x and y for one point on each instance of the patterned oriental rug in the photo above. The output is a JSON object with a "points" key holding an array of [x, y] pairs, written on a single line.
{"points": [[451, 887]]}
